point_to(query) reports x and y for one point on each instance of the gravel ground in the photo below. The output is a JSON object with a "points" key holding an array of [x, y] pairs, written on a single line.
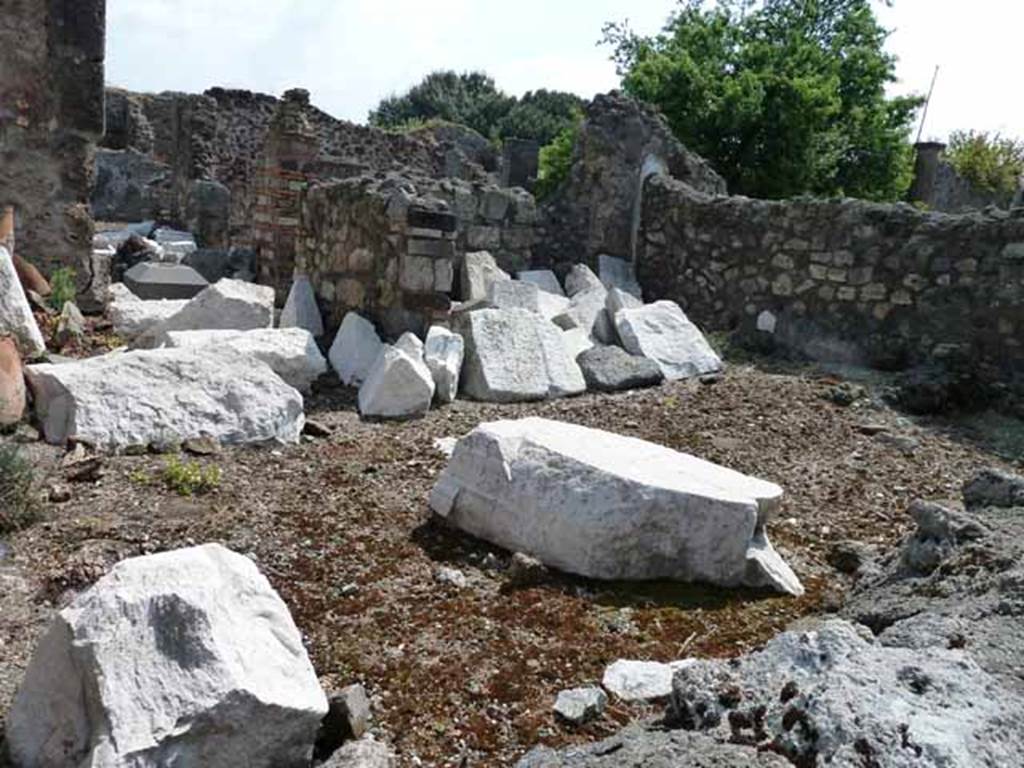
{"points": [[468, 676]]}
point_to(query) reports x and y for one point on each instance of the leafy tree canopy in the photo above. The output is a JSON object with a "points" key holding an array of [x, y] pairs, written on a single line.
{"points": [[991, 162], [472, 99], [783, 97]]}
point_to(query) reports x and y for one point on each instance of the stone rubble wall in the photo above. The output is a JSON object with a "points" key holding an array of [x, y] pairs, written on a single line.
{"points": [[621, 141], [51, 115], [842, 280], [391, 248]]}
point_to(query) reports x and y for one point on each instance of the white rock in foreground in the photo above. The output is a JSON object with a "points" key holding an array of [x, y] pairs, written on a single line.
{"points": [[300, 309], [291, 353], [398, 386], [479, 271], [443, 354], [16, 318], [129, 399], [228, 305], [610, 507], [514, 355], [355, 349], [661, 332], [183, 658], [132, 317], [641, 680]]}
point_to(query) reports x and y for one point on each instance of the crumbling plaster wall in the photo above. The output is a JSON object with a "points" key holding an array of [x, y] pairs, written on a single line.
{"points": [[843, 280], [51, 115]]}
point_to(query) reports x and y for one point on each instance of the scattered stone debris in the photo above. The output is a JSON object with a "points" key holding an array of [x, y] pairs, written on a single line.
{"points": [[452, 577], [641, 680], [347, 719], [523, 570], [581, 705], [612, 369]]}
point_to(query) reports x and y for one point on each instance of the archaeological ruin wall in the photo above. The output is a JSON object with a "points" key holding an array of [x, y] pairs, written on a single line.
{"points": [[886, 286], [390, 247], [51, 115]]}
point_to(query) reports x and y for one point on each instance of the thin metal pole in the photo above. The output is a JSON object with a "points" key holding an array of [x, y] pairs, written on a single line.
{"points": [[927, 103]]}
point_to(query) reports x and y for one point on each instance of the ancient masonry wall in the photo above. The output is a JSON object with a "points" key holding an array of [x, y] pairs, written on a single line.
{"points": [[51, 115], [392, 250], [887, 286]]}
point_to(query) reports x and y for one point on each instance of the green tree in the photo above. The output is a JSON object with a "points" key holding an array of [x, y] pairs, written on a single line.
{"points": [[541, 115], [783, 97], [990, 162], [472, 99]]}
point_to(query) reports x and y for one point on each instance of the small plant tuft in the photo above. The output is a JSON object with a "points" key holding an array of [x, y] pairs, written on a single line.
{"points": [[18, 506], [190, 478], [62, 288]]}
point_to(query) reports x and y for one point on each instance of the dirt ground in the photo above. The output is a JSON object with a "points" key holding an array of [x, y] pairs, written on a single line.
{"points": [[468, 676]]}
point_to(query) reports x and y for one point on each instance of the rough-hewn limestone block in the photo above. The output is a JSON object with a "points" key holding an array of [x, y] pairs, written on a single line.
{"points": [[187, 657], [229, 305], [479, 270], [514, 355], [16, 318], [662, 333], [398, 386], [619, 299], [581, 278], [355, 349], [139, 398], [291, 353], [587, 311], [544, 279], [513, 294], [618, 273], [444, 352], [604, 506], [300, 309], [132, 317]]}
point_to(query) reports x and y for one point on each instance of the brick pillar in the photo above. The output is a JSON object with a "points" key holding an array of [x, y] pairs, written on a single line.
{"points": [[282, 178]]}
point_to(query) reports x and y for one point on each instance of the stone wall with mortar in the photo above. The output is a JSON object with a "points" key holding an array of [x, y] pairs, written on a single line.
{"points": [[848, 281], [51, 115], [621, 141], [390, 247]]}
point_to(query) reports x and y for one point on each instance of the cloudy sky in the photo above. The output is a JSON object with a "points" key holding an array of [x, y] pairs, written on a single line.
{"points": [[350, 53]]}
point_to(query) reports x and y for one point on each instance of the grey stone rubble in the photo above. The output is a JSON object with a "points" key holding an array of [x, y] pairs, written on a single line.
{"points": [[661, 332], [301, 309], [611, 369], [921, 669], [292, 353], [230, 305], [144, 668], [399, 385], [164, 281], [540, 487], [544, 279], [444, 352], [515, 355], [586, 310], [581, 278], [581, 705], [479, 271], [364, 753], [619, 299], [348, 718], [130, 399], [619, 273], [355, 349]]}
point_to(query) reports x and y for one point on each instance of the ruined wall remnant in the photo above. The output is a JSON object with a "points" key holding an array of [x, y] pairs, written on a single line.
{"points": [[51, 114], [597, 210], [939, 187], [883, 285], [390, 247]]}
